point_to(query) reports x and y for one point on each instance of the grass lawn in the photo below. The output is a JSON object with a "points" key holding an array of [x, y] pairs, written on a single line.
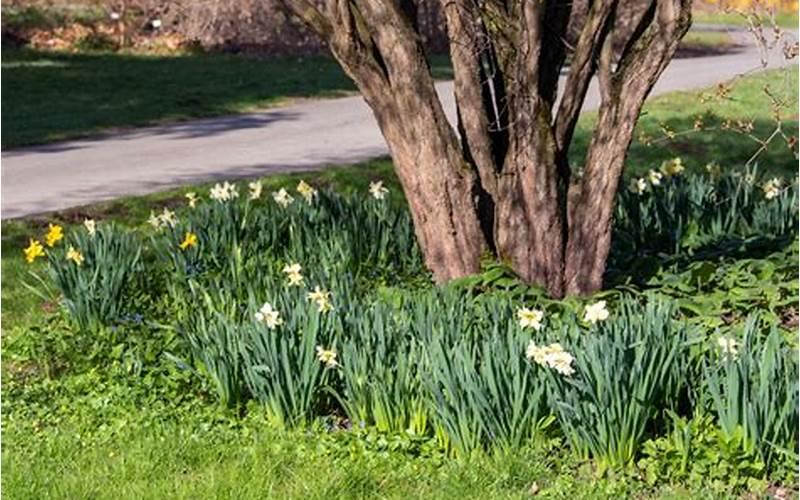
{"points": [[785, 19], [54, 96], [85, 422]]}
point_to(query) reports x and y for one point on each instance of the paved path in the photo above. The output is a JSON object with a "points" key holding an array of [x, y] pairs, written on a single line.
{"points": [[305, 136]]}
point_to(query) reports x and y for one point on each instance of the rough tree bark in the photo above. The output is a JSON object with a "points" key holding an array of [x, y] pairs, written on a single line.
{"points": [[503, 183]]}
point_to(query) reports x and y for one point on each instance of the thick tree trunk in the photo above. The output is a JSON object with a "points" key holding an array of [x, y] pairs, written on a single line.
{"points": [[505, 185]]}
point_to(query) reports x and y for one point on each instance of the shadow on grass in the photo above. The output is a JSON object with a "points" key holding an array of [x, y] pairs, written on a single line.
{"points": [[51, 96]]}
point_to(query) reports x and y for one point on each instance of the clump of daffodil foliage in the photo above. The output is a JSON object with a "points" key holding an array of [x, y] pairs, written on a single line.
{"points": [[315, 304]]}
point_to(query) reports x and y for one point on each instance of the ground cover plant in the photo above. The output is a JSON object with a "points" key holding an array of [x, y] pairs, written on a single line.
{"points": [[184, 384]]}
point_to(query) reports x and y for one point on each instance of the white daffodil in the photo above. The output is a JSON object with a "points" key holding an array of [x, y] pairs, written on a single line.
{"points": [[322, 298], [552, 356], [530, 318], [596, 312], [223, 192], [91, 226], [255, 190], [75, 256], [772, 188], [561, 361], [672, 167], [155, 23], [729, 346], [638, 186], [306, 191], [282, 197], [535, 353], [269, 316], [293, 274], [655, 177], [327, 356], [168, 217], [192, 199], [377, 190], [154, 220]]}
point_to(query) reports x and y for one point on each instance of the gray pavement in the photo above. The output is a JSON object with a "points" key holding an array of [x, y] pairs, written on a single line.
{"points": [[305, 136]]}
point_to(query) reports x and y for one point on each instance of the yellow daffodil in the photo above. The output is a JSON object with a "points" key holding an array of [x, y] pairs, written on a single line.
{"points": [[91, 226], [189, 240], [75, 256], [377, 190], [54, 235], [192, 199], [327, 356], [530, 318], [34, 250], [306, 191], [596, 312], [269, 316]]}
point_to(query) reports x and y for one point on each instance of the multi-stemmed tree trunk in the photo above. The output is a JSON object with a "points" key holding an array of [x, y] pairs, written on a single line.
{"points": [[502, 183]]}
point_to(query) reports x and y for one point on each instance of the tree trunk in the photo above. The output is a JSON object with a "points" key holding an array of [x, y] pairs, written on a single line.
{"points": [[505, 185]]}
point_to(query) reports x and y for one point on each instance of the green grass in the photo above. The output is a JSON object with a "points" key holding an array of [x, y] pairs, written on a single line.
{"points": [[785, 19], [91, 429], [56, 96]]}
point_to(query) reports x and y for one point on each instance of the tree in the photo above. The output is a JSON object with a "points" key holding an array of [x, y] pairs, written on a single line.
{"points": [[503, 183]]}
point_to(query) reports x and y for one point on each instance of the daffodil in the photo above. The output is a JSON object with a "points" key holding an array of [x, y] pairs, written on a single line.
{"points": [[655, 177], [91, 226], [327, 356], [306, 191], [293, 274], [714, 170], [552, 356], [638, 186], [154, 220], [255, 190], [772, 188], [192, 199], [729, 346], [189, 240], [282, 197], [168, 217], [74, 255], [34, 250], [322, 299], [595, 312], [269, 316], [377, 190], [672, 167], [55, 233], [223, 192], [530, 318]]}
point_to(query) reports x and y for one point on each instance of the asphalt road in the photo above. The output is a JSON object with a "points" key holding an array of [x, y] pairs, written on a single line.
{"points": [[309, 135]]}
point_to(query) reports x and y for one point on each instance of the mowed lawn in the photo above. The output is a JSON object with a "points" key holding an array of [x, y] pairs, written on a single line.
{"points": [[53, 96]]}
